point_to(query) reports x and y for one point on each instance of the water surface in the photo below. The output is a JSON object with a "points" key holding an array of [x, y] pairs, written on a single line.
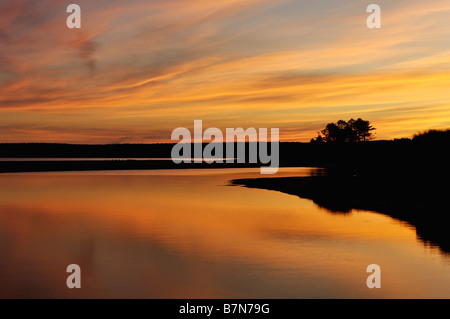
{"points": [[188, 234]]}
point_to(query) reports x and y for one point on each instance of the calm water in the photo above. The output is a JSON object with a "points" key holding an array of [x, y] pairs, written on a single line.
{"points": [[187, 234]]}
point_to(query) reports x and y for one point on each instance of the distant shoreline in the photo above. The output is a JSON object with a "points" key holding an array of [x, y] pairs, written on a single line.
{"points": [[106, 165]]}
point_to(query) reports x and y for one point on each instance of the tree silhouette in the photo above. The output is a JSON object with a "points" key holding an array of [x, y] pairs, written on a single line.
{"points": [[352, 131], [363, 129]]}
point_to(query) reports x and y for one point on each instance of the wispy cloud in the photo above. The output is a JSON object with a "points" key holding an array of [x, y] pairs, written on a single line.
{"points": [[143, 68]]}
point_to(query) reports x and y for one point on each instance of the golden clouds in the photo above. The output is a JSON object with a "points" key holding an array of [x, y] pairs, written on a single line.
{"points": [[162, 64]]}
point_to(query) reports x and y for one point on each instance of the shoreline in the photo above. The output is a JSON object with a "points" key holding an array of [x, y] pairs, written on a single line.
{"points": [[342, 195], [106, 165]]}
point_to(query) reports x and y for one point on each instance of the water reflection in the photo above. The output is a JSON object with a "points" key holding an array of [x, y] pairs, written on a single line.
{"points": [[157, 235]]}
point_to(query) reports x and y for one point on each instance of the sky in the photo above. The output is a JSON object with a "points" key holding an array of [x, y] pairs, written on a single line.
{"points": [[136, 70]]}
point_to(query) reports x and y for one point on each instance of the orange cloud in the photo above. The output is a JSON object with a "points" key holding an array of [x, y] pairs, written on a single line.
{"points": [[138, 71]]}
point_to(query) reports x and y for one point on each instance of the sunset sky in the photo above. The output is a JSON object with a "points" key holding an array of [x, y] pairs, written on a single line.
{"points": [[138, 69]]}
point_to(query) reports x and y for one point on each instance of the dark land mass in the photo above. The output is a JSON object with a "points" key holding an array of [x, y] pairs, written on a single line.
{"points": [[364, 157], [291, 155], [405, 179], [105, 165], [428, 213], [113, 157], [53, 150]]}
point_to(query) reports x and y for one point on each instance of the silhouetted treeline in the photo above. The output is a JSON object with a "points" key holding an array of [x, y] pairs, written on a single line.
{"points": [[346, 132], [51, 150], [425, 149], [433, 136]]}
